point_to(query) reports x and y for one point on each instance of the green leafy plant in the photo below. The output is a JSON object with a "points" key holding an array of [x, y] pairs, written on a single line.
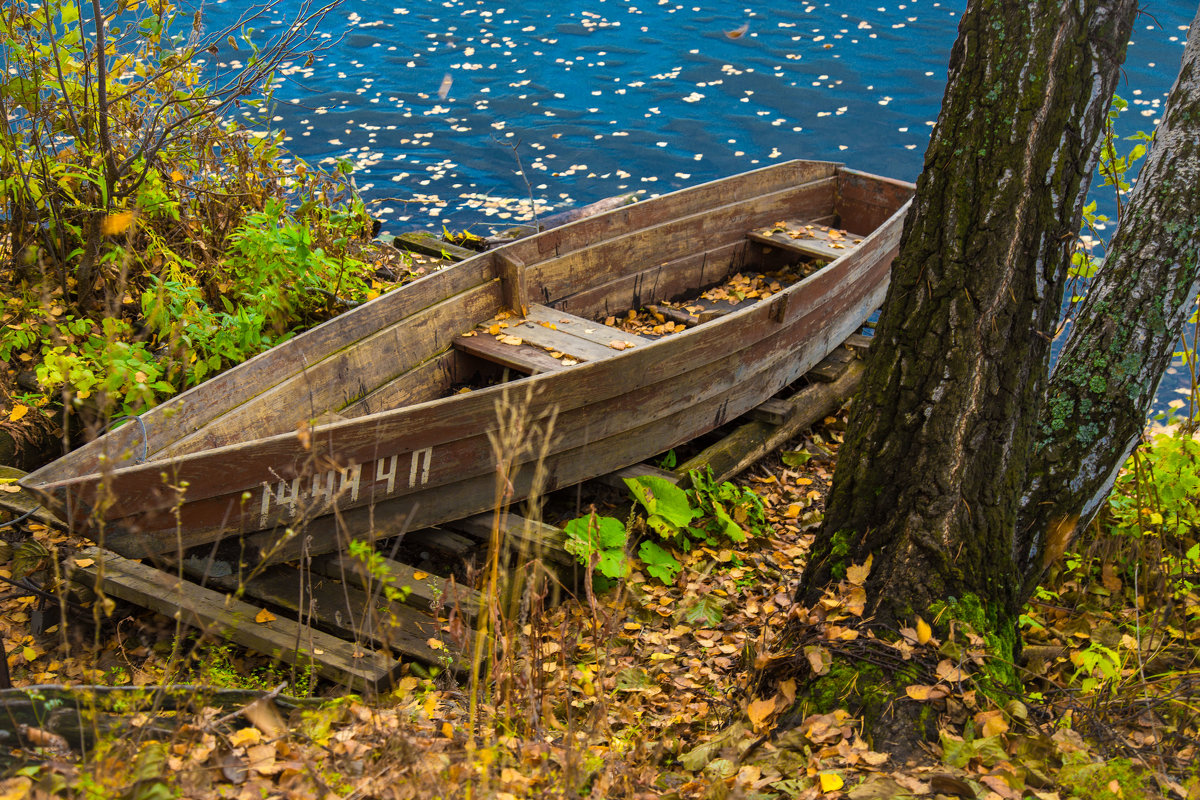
{"points": [[123, 177], [599, 542], [684, 518]]}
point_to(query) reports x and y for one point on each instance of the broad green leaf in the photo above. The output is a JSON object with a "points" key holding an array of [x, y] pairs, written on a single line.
{"points": [[659, 562], [665, 502]]}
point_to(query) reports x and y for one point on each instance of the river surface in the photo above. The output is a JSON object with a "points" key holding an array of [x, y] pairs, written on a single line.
{"points": [[468, 113]]}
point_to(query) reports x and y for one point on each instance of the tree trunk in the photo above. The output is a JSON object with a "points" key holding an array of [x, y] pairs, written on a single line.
{"points": [[1123, 337], [929, 477]]}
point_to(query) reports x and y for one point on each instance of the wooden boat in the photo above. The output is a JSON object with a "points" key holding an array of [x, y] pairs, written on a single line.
{"points": [[355, 425]]}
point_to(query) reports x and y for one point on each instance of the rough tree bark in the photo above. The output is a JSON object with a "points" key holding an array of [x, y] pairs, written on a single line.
{"points": [[1123, 336], [930, 475]]}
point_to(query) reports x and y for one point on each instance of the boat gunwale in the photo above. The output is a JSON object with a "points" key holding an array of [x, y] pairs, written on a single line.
{"points": [[329, 431]]}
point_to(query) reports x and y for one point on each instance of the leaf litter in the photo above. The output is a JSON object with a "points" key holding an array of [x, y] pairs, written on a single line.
{"points": [[640, 692]]}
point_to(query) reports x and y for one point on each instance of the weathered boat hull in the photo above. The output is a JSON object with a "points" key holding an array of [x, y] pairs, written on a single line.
{"points": [[228, 458]]}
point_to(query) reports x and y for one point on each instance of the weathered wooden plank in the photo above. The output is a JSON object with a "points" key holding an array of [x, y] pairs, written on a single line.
{"points": [[524, 358], [429, 380], [511, 271], [859, 343], [699, 232], [587, 329], [866, 201], [647, 213], [22, 502], [430, 245], [423, 590], [806, 238], [772, 411], [667, 280], [833, 365], [223, 616], [344, 611], [519, 534], [566, 340], [348, 375], [750, 442]]}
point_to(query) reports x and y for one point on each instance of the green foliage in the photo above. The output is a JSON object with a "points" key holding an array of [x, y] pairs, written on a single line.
{"points": [[705, 514], [1114, 169], [376, 566], [680, 519], [599, 542], [1112, 779], [121, 181]]}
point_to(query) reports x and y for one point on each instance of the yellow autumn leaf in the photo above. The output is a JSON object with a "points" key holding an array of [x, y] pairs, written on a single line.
{"points": [[420, 576], [924, 632], [176, 176], [245, 736], [447, 730], [116, 223], [831, 782], [84, 562], [760, 710], [857, 573], [918, 692], [264, 617], [15, 788], [17, 412], [991, 722]]}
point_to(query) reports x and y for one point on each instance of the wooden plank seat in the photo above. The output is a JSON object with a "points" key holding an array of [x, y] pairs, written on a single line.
{"points": [[807, 238], [541, 332]]}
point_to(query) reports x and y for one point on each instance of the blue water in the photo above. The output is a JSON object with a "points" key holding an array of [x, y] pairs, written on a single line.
{"points": [[601, 97], [466, 113]]}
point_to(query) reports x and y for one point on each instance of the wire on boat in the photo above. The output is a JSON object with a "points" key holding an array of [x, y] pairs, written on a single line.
{"points": [[141, 424]]}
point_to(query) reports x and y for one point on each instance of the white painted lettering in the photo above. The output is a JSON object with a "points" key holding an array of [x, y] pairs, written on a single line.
{"points": [[418, 456], [390, 476], [350, 479]]}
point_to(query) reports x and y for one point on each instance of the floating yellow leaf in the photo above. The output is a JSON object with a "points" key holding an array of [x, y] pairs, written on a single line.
{"points": [[924, 632], [176, 176], [116, 223], [264, 617], [17, 412], [831, 782]]}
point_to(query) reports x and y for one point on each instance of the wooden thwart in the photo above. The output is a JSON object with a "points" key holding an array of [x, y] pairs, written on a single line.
{"points": [[542, 330], [807, 238]]}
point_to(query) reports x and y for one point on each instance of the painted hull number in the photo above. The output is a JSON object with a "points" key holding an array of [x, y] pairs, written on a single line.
{"points": [[314, 493]]}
